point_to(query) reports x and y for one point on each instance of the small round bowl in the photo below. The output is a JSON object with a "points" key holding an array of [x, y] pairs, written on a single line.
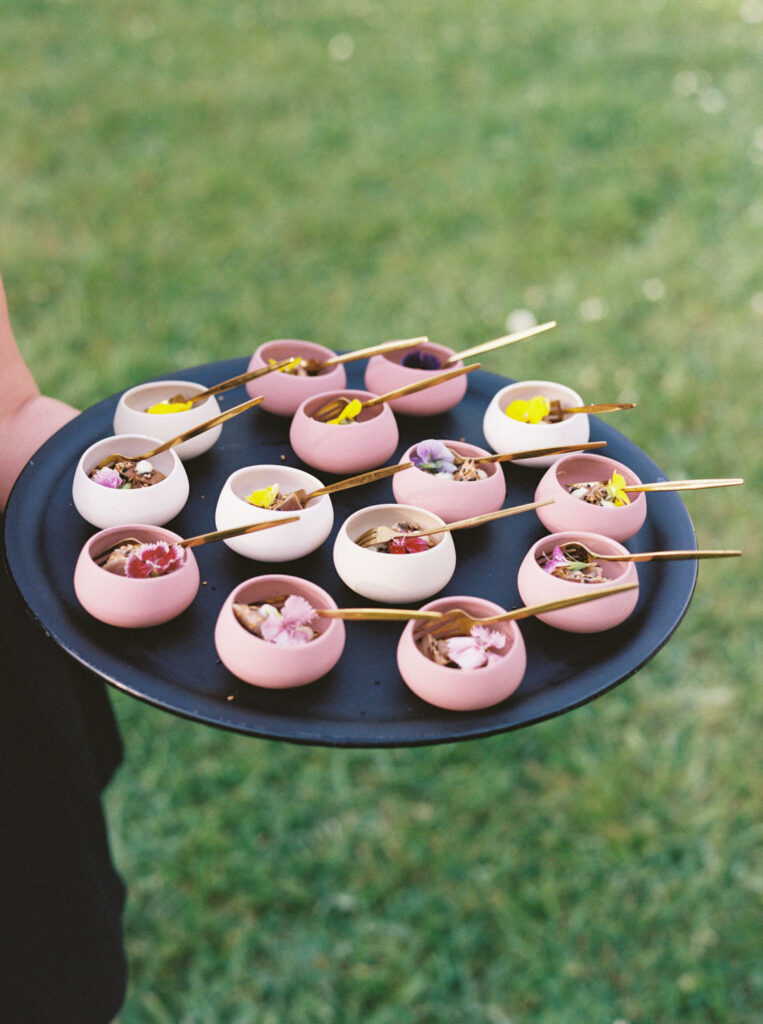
{"points": [[131, 416], [451, 500], [386, 373], [537, 586], [261, 663], [283, 543], [154, 506], [353, 448], [133, 603], [568, 513], [284, 392], [393, 578], [457, 689], [504, 434]]}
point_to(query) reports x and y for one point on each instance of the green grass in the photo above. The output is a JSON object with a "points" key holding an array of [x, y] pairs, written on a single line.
{"points": [[179, 182]]}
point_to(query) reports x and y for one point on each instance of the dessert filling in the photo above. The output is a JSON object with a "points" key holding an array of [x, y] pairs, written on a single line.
{"points": [[142, 561], [480, 647], [297, 368], [178, 403], [271, 498], [559, 563], [388, 540], [608, 493], [128, 474], [284, 621]]}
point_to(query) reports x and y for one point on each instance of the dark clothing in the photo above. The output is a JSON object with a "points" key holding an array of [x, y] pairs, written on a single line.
{"points": [[61, 954]]}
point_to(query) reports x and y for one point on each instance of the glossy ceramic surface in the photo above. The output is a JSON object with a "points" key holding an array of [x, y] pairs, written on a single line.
{"points": [[344, 449], [386, 373], [131, 416], [505, 434]]}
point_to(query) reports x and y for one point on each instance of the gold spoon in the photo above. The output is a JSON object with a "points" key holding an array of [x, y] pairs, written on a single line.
{"points": [[458, 623], [557, 413], [507, 339], [232, 382], [362, 353], [335, 406], [532, 453], [382, 534], [682, 485], [573, 549], [185, 436]]}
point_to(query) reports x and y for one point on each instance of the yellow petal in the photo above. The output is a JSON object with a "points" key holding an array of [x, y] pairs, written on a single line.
{"points": [[263, 498], [538, 407], [349, 412], [163, 407], [290, 367], [519, 410]]}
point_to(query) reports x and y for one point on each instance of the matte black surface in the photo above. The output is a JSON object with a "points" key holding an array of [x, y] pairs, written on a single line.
{"points": [[363, 701]]}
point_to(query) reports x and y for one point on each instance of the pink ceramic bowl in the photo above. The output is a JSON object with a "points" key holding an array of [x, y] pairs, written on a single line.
{"points": [[261, 663], [284, 392], [458, 689], [568, 513], [449, 499], [131, 603], [353, 448], [386, 373], [537, 586]]}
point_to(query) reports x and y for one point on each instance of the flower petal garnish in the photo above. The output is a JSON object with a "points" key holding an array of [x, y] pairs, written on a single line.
{"points": [[532, 411], [349, 412], [107, 477], [419, 360], [615, 490], [473, 651], [297, 610], [264, 497], [167, 406], [433, 456], [157, 559]]}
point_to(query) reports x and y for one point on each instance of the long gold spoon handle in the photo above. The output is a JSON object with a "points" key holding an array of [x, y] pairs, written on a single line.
{"points": [[532, 453], [563, 602], [462, 524], [376, 614], [420, 385], [601, 407], [207, 425], [683, 485], [234, 531], [667, 556], [233, 382], [374, 350], [358, 481], [507, 339]]}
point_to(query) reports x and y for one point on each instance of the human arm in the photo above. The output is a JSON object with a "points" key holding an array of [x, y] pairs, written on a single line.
{"points": [[27, 418]]}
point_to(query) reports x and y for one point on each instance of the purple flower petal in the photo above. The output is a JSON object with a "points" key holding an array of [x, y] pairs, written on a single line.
{"points": [[107, 477], [419, 360]]}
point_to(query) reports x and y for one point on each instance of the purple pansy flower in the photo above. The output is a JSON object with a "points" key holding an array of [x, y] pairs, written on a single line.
{"points": [[419, 360], [433, 456], [473, 651], [289, 627], [107, 477]]}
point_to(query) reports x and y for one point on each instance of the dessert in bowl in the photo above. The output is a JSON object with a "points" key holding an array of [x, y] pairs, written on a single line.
{"points": [[160, 585], [543, 576], [465, 688], [446, 486], [291, 656], [171, 417], [153, 497], [414, 573], [504, 433], [349, 447], [391, 370], [291, 541], [594, 509], [284, 390]]}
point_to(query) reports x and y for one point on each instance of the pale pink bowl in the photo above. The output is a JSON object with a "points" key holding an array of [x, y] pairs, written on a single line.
{"points": [[364, 444], [568, 513], [133, 604], [283, 391], [261, 663], [458, 689], [451, 500], [537, 586], [386, 373]]}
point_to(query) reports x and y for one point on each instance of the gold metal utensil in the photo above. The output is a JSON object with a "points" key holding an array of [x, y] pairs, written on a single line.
{"points": [[579, 552], [233, 382], [682, 485], [362, 353], [378, 614], [490, 346], [534, 453], [557, 413]]}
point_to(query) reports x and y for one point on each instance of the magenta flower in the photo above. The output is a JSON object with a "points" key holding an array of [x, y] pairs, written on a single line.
{"points": [[289, 627], [151, 560], [107, 477], [407, 545], [473, 651], [557, 558]]}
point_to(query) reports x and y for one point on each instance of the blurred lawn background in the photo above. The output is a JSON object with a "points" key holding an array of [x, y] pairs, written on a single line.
{"points": [[182, 181]]}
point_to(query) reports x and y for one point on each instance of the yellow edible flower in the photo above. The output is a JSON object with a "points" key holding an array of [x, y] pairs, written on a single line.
{"points": [[263, 498], [349, 412], [615, 490], [290, 367], [165, 406], [529, 412]]}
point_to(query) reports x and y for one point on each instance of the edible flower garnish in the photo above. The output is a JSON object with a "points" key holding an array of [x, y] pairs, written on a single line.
{"points": [[433, 457], [263, 498], [291, 367], [349, 412], [107, 477], [157, 559], [419, 360], [169, 406], [561, 565], [473, 651], [289, 627], [615, 490], [407, 545], [532, 411]]}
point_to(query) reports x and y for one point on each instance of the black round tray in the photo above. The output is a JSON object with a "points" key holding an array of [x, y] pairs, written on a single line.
{"points": [[363, 702]]}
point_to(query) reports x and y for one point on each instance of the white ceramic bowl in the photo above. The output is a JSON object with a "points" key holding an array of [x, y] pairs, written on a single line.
{"points": [[284, 543], [393, 579], [131, 416], [505, 434], [153, 506]]}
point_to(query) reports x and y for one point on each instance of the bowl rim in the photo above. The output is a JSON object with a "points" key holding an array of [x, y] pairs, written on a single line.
{"points": [[177, 467], [553, 480], [334, 627], [344, 535], [124, 398], [590, 539], [172, 538], [314, 401]]}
